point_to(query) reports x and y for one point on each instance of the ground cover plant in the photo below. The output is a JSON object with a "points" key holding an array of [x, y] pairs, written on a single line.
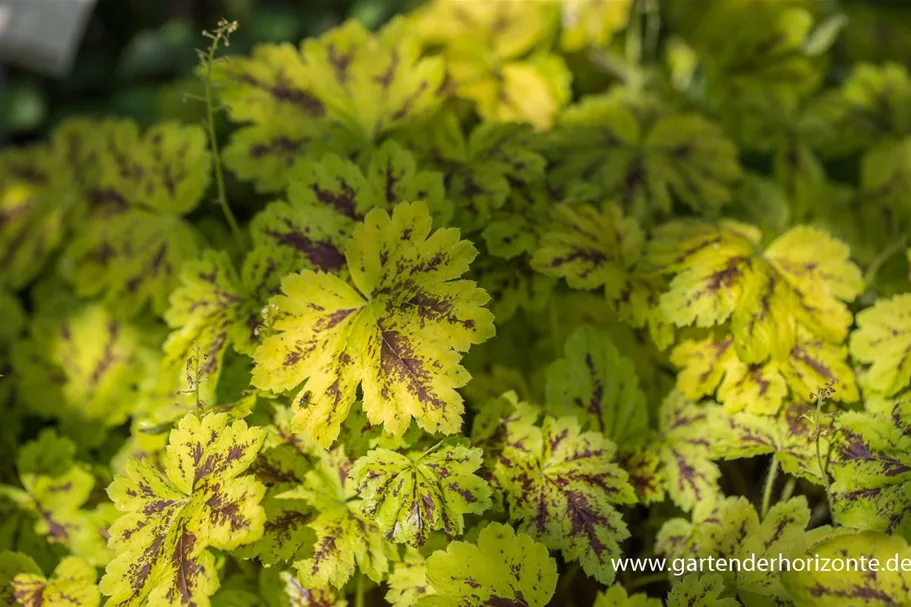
{"points": [[464, 310]]}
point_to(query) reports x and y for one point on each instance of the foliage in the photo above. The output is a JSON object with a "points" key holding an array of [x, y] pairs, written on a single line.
{"points": [[516, 290]]}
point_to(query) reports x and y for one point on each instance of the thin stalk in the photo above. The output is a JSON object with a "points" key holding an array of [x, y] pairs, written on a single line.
{"points": [[884, 256], [647, 580], [224, 28], [555, 328], [360, 592], [788, 490], [769, 485]]}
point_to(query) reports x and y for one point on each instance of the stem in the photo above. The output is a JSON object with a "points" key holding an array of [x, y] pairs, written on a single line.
{"points": [[555, 328], [882, 258], [360, 595], [213, 141], [646, 580], [818, 433], [788, 490], [769, 485]]}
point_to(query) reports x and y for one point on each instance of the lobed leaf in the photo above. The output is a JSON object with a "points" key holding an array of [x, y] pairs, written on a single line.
{"points": [[410, 496], [396, 329], [503, 568]]}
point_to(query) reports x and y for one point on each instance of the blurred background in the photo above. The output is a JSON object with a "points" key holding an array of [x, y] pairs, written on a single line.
{"points": [[136, 56]]}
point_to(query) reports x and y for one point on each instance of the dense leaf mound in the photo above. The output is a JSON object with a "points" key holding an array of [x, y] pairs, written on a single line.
{"points": [[521, 289]]}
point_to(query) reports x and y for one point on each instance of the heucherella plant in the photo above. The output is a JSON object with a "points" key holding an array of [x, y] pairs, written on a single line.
{"points": [[501, 304]]}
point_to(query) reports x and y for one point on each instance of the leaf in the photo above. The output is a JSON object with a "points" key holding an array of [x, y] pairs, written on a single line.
{"points": [[408, 580], [11, 565], [680, 454], [487, 56], [591, 249], [623, 148], [871, 470], [616, 596], [883, 340], [531, 91], [309, 597], [790, 436], [72, 585], [202, 499], [327, 199], [396, 329], [410, 496], [480, 167], [564, 488], [854, 588], [134, 240], [131, 259], [785, 305], [720, 276], [599, 386], [345, 538], [83, 368], [503, 568], [56, 488], [712, 363], [699, 591], [214, 309], [871, 105], [33, 216], [372, 83], [591, 23], [731, 529]]}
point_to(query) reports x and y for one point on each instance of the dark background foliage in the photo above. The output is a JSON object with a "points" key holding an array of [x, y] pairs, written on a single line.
{"points": [[137, 56]]}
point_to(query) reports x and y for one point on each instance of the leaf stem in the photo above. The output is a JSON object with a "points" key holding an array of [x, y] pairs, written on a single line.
{"points": [[555, 328], [769, 485], [788, 490], [360, 594], [882, 258], [221, 32], [647, 580]]}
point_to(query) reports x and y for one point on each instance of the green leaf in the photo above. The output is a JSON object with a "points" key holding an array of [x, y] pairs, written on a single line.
{"points": [[616, 596], [883, 340], [408, 580], [731, 529], [790, 436], [202, 499], [214, 309], [854, 588], [871, 470], [480, 168], [591, 249], [298, 596], [699, 591], [503, 568], [591, 23], [396, 329], [679, 456], [13, 564], [372, 83], [620, 147], [410, 496], [33, 212], [72, 585], [83, 368], [871, 106], [563, 486], [345, 538], [327, 199], [56, 488], [599, 386]]}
